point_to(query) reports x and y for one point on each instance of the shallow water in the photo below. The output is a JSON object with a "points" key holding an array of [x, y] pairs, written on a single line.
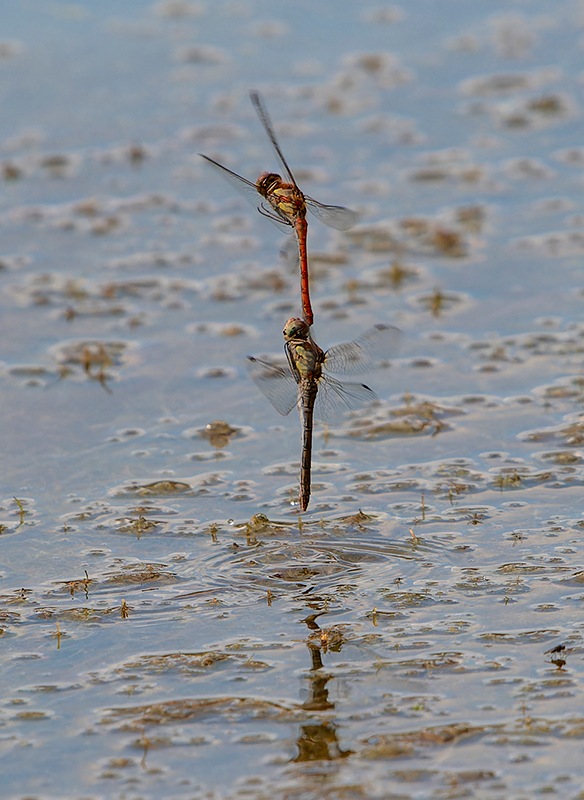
{"points": [[167, 620]]}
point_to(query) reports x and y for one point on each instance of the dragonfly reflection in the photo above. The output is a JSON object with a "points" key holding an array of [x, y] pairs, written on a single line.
{"points": [[306, 384]]}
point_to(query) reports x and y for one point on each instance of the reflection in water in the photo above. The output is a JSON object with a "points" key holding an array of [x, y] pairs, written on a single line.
{"points": [[318, 693], [218, 433], [558, 655], [317, 741]]}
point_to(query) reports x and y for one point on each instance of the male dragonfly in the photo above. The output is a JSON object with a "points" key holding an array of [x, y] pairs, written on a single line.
{"points": [[286, 203]]}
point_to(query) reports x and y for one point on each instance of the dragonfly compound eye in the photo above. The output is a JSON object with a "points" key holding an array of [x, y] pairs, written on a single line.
{"points": [[295, 328], [267, 181]]}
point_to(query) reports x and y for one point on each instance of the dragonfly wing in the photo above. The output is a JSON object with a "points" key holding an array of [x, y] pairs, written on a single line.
{"points": [[334, 397], [247, 189], [378, 343], [264, 117], [241, 184], [274, 382], [337, 217], [289, 253]]}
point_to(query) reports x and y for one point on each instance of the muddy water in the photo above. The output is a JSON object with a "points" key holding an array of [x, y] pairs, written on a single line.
{"points": [[169, 625]]}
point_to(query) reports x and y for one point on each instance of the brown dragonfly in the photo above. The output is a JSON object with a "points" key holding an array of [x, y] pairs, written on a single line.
{"points": [[286, 203], [306, 384]]}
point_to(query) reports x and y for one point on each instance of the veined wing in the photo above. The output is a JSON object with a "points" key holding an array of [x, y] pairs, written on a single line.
{"points": [[337, 217], [274, 382], [364, 353], [335, 397], [239, 182], [269, 129], [247, 188]]}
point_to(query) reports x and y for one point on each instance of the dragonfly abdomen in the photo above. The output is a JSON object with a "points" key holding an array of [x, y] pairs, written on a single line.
{"points": [[307, 394]]}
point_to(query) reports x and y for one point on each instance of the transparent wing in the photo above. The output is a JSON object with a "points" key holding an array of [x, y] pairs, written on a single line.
{"points": [[289, 253], [335, 397], [264, 117], [364, 353], [240, 183], [247, 189], [274, 382], [337, 217]]}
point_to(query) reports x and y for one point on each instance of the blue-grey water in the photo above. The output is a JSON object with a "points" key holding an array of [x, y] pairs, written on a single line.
{"points": [[169, 625]]}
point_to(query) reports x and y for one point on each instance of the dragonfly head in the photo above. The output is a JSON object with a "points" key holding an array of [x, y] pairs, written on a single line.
{"points": [[267, 182], [296, 328]]}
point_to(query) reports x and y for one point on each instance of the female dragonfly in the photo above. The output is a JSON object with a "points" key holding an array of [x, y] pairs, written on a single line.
{"points": [[307, 385], [286, 203]]}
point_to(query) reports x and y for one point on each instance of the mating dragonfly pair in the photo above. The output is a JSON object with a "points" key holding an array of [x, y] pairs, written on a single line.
{"points": [[306, 383]]}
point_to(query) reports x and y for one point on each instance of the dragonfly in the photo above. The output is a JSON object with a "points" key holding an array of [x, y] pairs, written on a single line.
{"points": [[305, 382], [285, 202]]}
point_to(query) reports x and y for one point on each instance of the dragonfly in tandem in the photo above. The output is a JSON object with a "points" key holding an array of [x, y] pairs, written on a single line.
{"points": [[306, 384], [286, 203]]}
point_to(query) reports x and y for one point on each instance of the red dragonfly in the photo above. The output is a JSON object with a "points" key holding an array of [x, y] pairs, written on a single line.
{"points": [[286, 203]]}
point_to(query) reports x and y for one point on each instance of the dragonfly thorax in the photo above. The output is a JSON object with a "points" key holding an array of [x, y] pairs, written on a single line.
{"points": [[304, 355], [285, 199], [305, 358]]}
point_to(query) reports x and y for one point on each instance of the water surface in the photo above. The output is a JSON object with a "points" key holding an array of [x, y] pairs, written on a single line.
{"points": [[166, 618]]}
